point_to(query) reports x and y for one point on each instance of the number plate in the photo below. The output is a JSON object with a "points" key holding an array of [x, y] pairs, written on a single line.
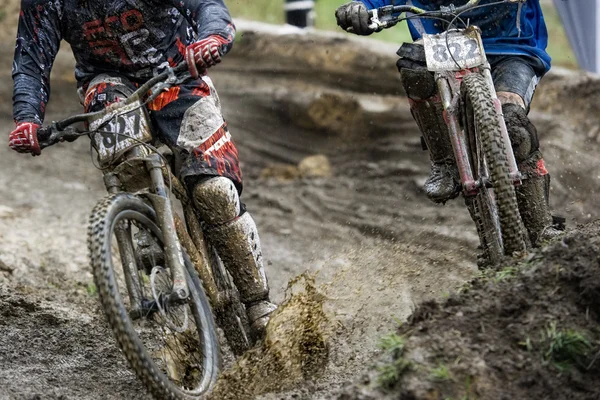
{"points": [[111, 141], [464, 45]]}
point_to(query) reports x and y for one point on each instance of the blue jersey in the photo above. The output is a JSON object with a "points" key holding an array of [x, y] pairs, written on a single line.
{"points": [[498, 24]]}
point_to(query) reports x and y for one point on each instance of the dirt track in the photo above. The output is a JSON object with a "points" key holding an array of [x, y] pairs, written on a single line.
{"points": [[378, 245]]}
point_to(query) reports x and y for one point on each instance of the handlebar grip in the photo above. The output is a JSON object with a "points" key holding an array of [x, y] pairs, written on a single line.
{"points": [[44, 133]]}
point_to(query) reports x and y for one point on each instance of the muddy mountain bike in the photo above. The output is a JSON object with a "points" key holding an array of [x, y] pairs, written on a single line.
{"points": [[482, 149], [158, 280]]}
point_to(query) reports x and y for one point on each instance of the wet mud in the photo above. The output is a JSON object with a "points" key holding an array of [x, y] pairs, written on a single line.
{"points": [[295, 349], [359, 220]]}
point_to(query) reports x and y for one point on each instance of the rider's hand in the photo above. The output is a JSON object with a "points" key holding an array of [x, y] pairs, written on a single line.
{"points": [[354, 15], [204, 54], [24, 138]]}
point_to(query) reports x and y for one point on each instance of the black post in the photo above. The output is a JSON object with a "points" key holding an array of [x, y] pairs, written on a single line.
{"points": [[300, 13]]}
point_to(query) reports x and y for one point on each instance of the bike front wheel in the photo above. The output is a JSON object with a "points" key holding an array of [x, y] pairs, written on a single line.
{"points": [[171, 345], [496, 211]]}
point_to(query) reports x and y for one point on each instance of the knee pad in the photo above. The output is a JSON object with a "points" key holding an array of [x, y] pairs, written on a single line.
{"points": [[106, 89], [417, 81], [522, 133], [217, 200]]}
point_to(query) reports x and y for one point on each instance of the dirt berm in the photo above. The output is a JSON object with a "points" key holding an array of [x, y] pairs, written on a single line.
{"points": [[529, 330], [333, 174]]}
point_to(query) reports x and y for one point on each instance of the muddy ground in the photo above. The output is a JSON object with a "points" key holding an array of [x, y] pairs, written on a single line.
{"points": [[528, 330], [378, 246]]}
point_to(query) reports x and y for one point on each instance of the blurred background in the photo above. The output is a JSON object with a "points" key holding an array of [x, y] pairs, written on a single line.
{"points": [[272, 11]]}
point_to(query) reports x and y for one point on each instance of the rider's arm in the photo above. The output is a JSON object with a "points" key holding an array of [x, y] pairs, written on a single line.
{"points": [[38, 40], [210, 18]]}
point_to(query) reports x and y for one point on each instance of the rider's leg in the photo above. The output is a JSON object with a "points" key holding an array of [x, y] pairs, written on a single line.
{"points": [[189, 120], [232, 231], [443, 184], [515, 79]]}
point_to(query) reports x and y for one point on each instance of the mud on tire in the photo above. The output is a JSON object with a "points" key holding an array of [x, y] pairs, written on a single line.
{"points": [[100, 230], [475, 91]]}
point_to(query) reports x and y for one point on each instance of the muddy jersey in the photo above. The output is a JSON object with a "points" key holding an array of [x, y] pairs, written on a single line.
{"points": [[500, 32], [133, 37]]}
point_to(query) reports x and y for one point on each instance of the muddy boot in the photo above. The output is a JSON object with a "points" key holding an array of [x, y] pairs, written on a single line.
{"points": [[533, 193], [427, 110], [444, 182], [236, 240], [532, 197]]}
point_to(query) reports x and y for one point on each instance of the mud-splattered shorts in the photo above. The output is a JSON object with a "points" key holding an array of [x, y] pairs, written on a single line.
{"points": [[186, 118], [517, 74]]}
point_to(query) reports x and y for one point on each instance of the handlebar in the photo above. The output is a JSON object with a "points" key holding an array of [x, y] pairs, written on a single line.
{"points": [[388, 16], [62, 131]]}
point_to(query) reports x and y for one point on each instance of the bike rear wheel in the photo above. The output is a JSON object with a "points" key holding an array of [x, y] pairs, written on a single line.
{"points": [[495, 208], [171, 346]]}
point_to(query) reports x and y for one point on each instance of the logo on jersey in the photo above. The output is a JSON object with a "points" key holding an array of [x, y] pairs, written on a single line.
{"points": [[123, 38]]}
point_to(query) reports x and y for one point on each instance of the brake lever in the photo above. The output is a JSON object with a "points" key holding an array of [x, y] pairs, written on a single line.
{"points": [[375, 22], [382, 18], [50, 135]]}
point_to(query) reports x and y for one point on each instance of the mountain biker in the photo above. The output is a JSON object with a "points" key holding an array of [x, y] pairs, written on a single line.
{"points": [[119, 44], [517, 55]]}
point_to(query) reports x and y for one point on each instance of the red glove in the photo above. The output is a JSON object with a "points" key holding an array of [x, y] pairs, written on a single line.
{"points": [[204, 54], [24, 138]]}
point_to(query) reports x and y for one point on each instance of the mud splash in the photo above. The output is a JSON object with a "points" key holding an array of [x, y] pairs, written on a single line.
{"points": [[295, 349]]}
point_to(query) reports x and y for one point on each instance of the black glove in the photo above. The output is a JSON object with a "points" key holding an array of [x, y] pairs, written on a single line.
{"points": [[354, 15]]}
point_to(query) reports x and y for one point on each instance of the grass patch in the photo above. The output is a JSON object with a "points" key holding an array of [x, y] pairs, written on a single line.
{"points": [[390, 373], [562, 348], [91, 289], [392, 343], [505, 273], [441, 373], [566, 348]]}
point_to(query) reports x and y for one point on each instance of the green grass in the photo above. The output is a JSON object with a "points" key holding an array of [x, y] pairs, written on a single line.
{"points": [[566, 348], [505, 273], [390, 373], [441, 373], [392, 343], [91, 289], [272, 11]]}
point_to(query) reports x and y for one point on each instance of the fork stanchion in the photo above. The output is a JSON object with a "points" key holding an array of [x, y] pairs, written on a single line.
{"points": [[300, 13]]}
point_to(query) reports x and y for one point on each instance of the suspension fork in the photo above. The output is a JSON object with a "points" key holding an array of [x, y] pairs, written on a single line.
{"points": [[166, 220], [126, 250], [457, 135]]}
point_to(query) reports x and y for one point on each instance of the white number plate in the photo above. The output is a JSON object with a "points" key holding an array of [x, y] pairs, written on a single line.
{"points": [[460, 50], [108, 141]]}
